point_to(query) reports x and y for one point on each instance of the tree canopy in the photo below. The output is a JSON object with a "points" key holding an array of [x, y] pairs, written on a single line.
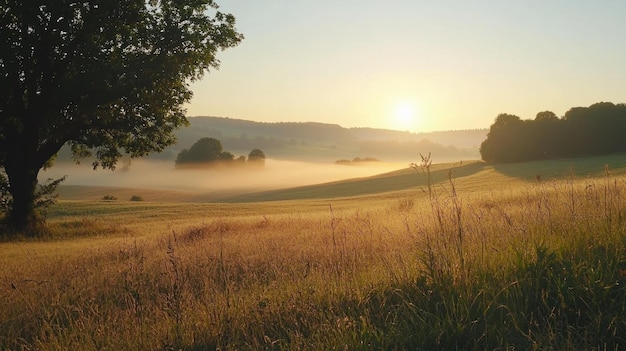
{"points": [[106, 77], [205, 150], [582, 131], [256, 155], [209, 151]]}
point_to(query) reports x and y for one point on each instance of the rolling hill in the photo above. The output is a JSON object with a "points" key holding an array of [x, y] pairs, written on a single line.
{"points": [[468, 176], [322, 142]]}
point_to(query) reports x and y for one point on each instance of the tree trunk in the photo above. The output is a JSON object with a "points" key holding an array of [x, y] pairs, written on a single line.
{"points": [[22, 184]]}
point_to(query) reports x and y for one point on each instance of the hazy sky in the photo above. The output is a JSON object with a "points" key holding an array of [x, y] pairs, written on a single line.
{"points": [[413, 64]]}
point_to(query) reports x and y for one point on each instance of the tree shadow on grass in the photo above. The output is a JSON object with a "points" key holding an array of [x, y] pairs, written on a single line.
{"points": [[592, 166]]}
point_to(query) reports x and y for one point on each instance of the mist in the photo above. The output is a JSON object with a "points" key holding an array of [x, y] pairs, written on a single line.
{"points": [[162, 175]]}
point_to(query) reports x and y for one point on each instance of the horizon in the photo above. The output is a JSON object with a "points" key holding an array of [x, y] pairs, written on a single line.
{"points": [[415, 66], [342, 126]]}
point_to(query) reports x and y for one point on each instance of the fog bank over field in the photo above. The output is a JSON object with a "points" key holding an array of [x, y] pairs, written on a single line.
{"points": [[160, 175]]}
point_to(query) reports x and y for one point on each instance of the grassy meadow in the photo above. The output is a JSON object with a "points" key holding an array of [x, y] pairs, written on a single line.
{"points": [[466, 256]]}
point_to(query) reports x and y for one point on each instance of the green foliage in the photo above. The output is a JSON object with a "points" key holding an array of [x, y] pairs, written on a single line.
{"points": [[209, 151], [5, 194], [111, 77], [505, 140], [124, 63], [205, 150], [583, 131], [45, 195]]}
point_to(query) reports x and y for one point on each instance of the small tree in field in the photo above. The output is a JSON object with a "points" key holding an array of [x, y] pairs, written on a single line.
{"points": [[256, 157], [106, 77]]}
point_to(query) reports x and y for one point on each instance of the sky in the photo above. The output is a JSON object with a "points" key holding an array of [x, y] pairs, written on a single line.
{"points": [[415, 65]]}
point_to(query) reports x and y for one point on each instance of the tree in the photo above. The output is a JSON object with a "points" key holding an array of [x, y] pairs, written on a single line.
{"points": [[256, 157], [548, 136], [597, 129], [205, 150], [106, 77], [226, 156], [545, 116], [504, 140], [583, 131]]}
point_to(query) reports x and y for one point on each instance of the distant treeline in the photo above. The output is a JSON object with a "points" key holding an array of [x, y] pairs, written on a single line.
{"points": [[583, 131], [284, 130]]}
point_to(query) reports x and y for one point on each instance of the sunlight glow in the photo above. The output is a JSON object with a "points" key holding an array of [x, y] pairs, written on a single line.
{"points": [[405, 116]]}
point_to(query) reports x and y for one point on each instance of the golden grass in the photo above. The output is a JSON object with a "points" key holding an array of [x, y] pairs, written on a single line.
{"points": [[310, 274]]}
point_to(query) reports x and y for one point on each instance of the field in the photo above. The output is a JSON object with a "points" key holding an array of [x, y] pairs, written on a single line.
{"points": [[457, 256]]}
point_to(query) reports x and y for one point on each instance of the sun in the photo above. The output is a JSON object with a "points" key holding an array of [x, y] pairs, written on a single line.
{"points": [[405, 116]]}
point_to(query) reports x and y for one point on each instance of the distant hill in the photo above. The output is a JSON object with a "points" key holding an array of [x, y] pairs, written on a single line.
{"points": [[311, 141], [321, 142]]}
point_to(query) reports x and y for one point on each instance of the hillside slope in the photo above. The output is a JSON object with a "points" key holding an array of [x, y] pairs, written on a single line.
{"points": [[467, 176], [321, 142]]}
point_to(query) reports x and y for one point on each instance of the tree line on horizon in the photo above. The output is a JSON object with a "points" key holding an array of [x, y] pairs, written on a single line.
{"points": [[582, 131]]}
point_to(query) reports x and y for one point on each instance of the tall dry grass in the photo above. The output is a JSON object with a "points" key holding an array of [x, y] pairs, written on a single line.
{"points": [[542, 266]]}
